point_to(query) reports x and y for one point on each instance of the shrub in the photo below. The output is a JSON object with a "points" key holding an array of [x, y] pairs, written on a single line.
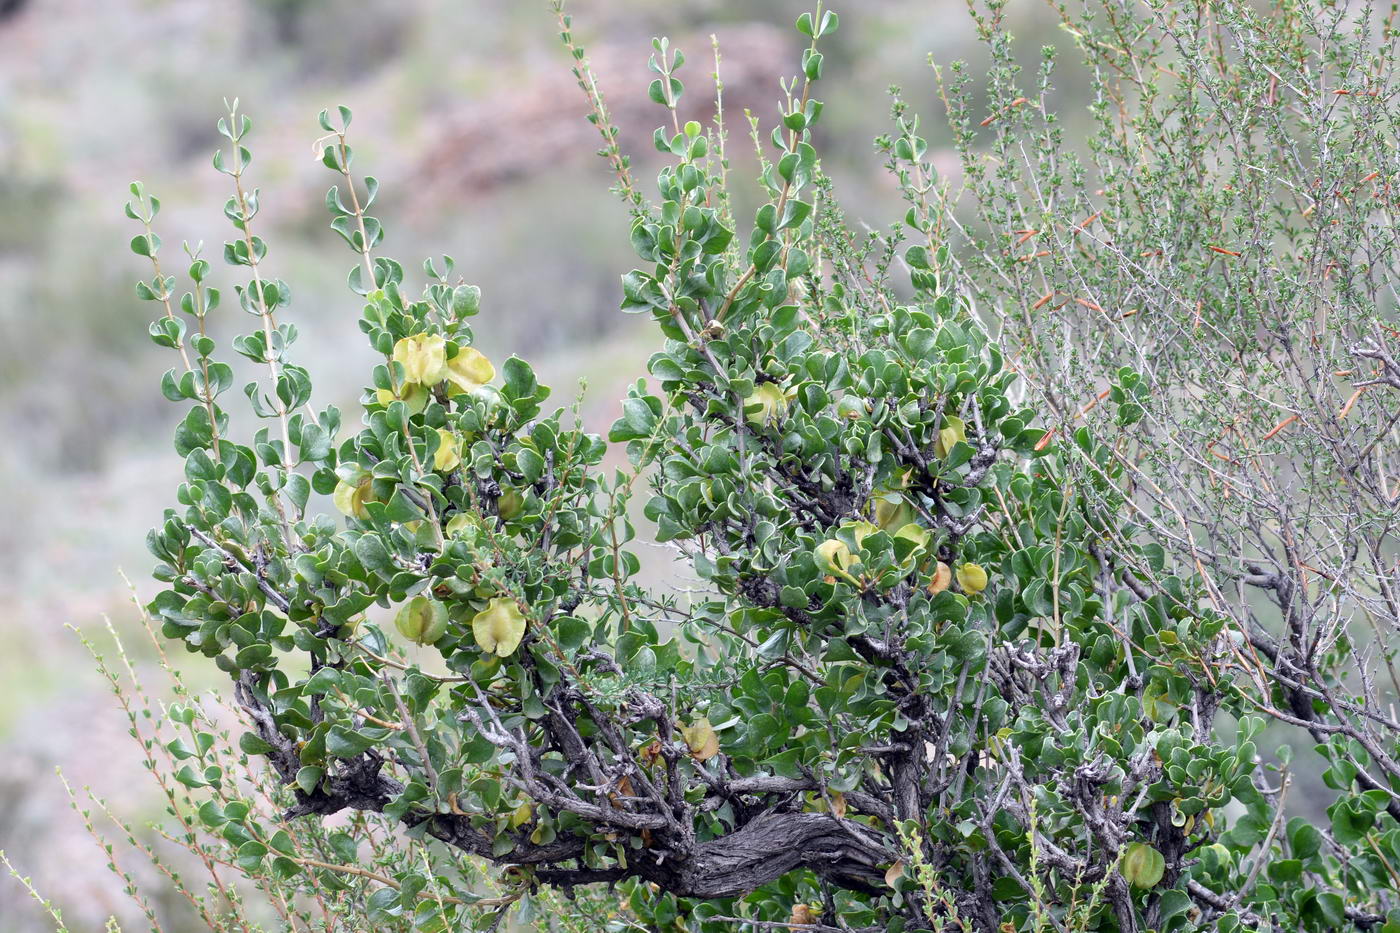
{"points": [[1208, 290], [942, 670]]}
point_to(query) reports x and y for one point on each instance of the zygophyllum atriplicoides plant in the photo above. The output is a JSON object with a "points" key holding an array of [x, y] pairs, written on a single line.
{"points": [[923, 682]]}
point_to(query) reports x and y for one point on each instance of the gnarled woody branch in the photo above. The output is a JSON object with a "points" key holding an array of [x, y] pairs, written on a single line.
{"points": [[847, 853]]}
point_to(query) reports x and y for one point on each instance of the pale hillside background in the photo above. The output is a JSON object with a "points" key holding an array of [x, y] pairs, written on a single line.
{"points": [[467, 114]]}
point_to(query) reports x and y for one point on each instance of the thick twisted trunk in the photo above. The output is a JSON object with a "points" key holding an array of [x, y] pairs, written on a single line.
{"points": [[844, 852]]}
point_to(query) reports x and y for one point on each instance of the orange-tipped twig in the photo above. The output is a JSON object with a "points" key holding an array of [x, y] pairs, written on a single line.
{"points": [[1324, 575], [1355, 396], [1090, 406], [1280, 426], [1015, 103], [1084, 410], [1223, 251]]}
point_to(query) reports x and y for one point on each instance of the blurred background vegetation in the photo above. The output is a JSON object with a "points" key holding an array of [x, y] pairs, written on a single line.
{"points": [[466, 112]]}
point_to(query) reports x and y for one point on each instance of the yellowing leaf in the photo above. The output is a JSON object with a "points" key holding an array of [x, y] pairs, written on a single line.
{"points": [[861, 530], [972, 579], [509, 504], [423, 357], [891, 511], [468, 370], [701, 739], [499, 627], [449, 451], [894, 873], [1157, 702], [913, 533], [834, 557], [460, 523], [1182, 821]]}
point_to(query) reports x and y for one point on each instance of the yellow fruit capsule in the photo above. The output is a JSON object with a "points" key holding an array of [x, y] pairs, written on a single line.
{"points": [[954, 430], [422, 620], [423, 357], [410, 393], [468, 370], [350, 498], [850, 408], [771, 401], [700, 738], [942, 578], [449, 451], [1142, 866], [499, 627], [972, 579]]}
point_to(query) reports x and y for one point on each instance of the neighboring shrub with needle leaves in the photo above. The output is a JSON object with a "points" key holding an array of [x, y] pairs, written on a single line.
{"points": [[936, 677], [1207, 282]]}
